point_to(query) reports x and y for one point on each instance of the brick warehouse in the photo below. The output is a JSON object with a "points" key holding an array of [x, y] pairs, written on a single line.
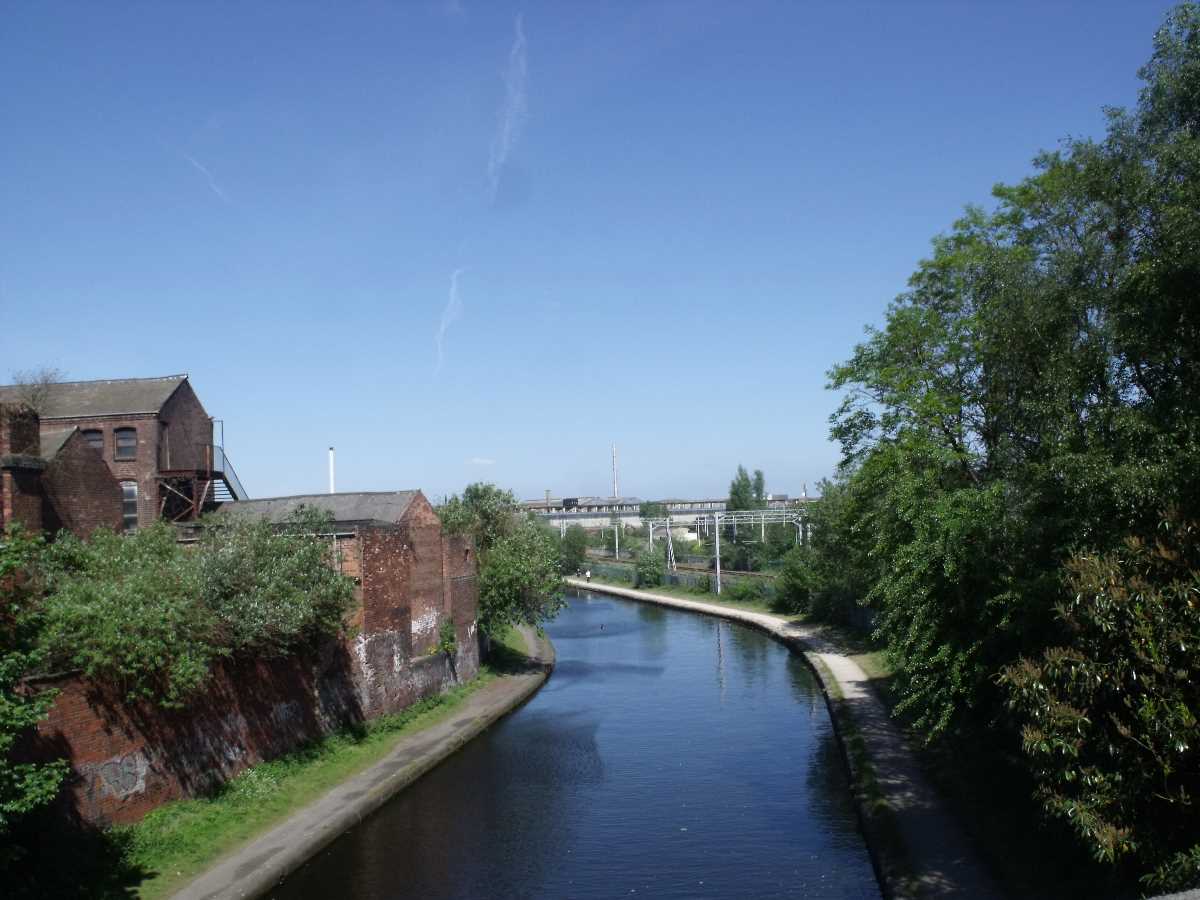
{"points": [[53, 480], [411, 577], [154, 435]]}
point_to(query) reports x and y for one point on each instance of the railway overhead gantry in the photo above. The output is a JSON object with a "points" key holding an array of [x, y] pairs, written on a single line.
{"points": [[711, 523]]}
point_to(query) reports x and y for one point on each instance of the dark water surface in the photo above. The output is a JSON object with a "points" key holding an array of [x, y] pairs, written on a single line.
{"points": [[669, 755]]}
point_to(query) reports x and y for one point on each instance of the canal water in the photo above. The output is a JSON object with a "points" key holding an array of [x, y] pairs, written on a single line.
{"points": [[670, 755]]}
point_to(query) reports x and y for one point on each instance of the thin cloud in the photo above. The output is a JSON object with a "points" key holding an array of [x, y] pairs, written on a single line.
{"points": [[512, 112], [451, 314], [212, 182], [480, 461]]}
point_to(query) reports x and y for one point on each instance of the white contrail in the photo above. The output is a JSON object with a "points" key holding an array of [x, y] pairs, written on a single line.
{"points": [[512, 113], [450, 314], [212, 182]]}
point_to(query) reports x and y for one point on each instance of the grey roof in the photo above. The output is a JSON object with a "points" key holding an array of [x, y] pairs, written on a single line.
{"points": [[84, 399], [378, 506], [52, 442]]}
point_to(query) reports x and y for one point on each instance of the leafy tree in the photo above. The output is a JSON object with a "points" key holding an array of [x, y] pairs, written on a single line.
{"points": [[24, 787], [743, 492], [652, 509], [519, 579], [1037, 390], [573, 549], [484, 511]]}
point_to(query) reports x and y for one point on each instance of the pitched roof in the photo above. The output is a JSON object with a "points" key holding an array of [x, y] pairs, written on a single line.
{"points": [[83, 399], [52, 442], [377, 506]]}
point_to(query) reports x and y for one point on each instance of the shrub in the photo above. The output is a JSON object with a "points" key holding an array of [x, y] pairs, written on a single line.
{"points": [[650, 569], [745, 590], [272, 589], [127, 610], [1110, 720], [24, 787]]}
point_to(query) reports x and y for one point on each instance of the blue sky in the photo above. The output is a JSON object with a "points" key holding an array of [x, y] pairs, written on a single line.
{"points": [[667, 219]]}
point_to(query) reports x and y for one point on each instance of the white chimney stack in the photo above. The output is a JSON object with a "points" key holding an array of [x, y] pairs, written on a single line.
{"points": [[331, 490]]}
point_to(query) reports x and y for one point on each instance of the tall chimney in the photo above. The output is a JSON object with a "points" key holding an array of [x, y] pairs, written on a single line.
{"points": [[331, 490]]}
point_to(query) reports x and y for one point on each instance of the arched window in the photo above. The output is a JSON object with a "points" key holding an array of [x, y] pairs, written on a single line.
{"points": [[125, 443], [94, 438], [129, 506]]}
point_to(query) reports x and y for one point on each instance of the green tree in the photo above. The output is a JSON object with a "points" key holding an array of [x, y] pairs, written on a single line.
{"points": [[650, 567], [520, 581], [484, 511], [742, 491], [573, 549], [652, 509]]}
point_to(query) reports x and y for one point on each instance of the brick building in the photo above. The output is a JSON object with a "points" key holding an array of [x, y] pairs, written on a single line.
{"points": [[53, 480], [153, 434]]}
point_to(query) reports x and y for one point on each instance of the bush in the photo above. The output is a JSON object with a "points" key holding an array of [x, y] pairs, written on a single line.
{"points": [[1110, 721], [146, 615], [128, 610], [272, 588], [650, 569], [745, 590], [24, 787]]}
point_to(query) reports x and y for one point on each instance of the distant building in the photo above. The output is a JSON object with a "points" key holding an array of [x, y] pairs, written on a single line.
{"points": [[53, 480], [598, 512], [153, 434]]}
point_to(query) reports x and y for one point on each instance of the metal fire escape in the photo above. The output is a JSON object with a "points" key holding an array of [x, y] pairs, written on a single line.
{"points": [[185, 494]]}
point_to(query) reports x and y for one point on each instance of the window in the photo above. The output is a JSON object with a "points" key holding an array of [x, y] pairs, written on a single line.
{"points": [[129, 508], [126, 443], [94, 438]]}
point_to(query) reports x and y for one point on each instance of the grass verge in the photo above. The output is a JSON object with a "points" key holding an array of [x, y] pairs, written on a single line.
{"points": [[178, 841], [674, 590]]}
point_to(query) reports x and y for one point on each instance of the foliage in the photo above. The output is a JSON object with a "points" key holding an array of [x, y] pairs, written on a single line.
{"points": [[1110, 717], [1036, 390], [744, 590], [519, 579], [447, 639], [652, 509], [145, 614], [24, 787], [272, 588], [128, 611], [650, 568], [485, 512], [572, 550], [747, 493]]}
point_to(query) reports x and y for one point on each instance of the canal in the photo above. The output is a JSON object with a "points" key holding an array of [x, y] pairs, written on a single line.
{"points": [[669, 755]]}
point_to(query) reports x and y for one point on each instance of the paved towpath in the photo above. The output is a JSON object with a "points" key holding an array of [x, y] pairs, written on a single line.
{"points": [[255, 868], [921, 851]]}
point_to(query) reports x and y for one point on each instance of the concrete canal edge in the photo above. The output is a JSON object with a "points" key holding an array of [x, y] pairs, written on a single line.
{"points": [[915, 846], [255, 868]]}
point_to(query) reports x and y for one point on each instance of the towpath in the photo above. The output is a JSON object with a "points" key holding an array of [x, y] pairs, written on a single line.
{"points": [[256, 867], [918, 849]]}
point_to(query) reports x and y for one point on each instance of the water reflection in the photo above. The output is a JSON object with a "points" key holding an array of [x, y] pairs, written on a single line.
{"points": [[670, 754]]}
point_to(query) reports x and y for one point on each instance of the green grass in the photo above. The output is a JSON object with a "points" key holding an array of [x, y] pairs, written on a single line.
{"points": [[674, 590], [178, 841]]}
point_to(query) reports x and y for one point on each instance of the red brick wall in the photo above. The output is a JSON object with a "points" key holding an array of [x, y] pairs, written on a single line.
{"points": [[80, 493], [142, 470], [21, 497], [187, 431]]}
